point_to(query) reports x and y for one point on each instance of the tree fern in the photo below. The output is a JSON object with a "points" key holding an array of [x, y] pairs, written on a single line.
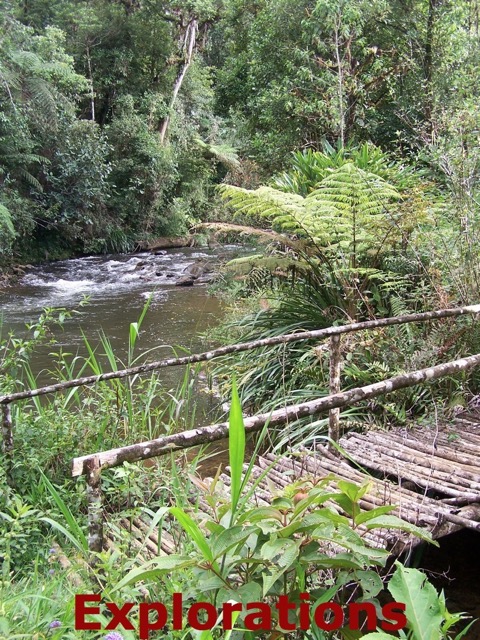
{"points": [[219, 152], [352, 212]]}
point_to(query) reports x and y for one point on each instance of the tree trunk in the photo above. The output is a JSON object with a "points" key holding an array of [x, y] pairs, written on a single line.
{"points": [[428, 64], [189, 47], [90, 77], [341, 110]]}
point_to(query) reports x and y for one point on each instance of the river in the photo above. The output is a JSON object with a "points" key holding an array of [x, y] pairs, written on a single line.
{"points": [[117, 286]]}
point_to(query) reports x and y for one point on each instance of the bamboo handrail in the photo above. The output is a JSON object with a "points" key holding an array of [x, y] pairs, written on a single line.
{"points": [[212, 433], [244, 346], [91, 465]]}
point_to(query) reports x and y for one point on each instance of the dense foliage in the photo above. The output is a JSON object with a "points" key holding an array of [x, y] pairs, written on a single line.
{"points": [[118, 116], [345, 132]]}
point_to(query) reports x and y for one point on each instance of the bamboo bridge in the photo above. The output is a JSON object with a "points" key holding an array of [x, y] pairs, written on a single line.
{"points": [[431, 477], [430, 474]]}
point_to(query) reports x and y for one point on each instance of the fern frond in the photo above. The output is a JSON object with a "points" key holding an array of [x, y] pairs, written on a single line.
{"points": [[352, 210], [7, 231], [275, 265], [220, 152], [283, 209]]}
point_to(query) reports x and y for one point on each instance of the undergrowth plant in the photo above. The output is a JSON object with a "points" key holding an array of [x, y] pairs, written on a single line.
{"points": [[50, 430], [311, 538]]}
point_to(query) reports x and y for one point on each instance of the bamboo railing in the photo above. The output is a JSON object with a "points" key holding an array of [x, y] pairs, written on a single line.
{"points": [[91, 465]]}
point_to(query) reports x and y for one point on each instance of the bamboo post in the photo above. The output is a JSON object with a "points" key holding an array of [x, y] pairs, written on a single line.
{"points": [[95, 507], [7, 435], [334, 414]]}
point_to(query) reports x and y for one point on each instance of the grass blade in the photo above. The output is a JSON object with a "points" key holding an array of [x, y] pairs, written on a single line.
{"points": [[72, 527], [236, 447]]}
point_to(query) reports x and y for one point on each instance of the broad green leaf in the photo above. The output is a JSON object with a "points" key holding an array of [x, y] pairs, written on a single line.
{"points": [[269, 579], [312, 498], [340, 561], [261, 513], [374, 513], [423, 611], [249, 592], [282, 503], [392, 522], [379, 635], [236, 447], [228, 539], [289, 530], [350, 507], [353, 491], [370, 582], [321, 516]]}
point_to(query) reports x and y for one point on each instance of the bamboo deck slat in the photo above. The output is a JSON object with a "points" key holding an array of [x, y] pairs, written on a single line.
{"points": [[431, 476]]}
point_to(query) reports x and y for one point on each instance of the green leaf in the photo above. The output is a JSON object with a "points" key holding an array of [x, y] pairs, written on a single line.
{"points": [[340, 561], [193, 531], [464, 632], [248, 592], [284, 548], [71, 529], [68, 534], [350, 507], [423, 611], [374, 513], [236, 447], [154, 568], [392, 522], [370, 582], [229, 538], [262, 513], [353, 491]]}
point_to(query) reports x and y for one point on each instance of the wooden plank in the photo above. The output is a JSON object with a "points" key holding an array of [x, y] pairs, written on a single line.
{"points": [[453, 475]]}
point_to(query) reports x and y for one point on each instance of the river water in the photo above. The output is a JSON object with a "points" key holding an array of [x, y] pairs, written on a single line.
{"points": [[118, 286]]}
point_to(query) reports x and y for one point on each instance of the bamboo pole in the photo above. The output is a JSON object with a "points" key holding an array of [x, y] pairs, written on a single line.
{"points": [[243, 346], [335, 366], [7, 441], [93, 471], [213, 433]]}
